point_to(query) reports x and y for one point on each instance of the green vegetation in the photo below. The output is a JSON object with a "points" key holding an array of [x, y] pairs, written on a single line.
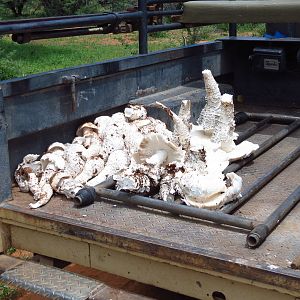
{"points": [[11, 250], [7, 292], [46, 55]]}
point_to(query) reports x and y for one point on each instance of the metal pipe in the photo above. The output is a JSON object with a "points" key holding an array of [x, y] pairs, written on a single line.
{"points": [[203, 214], [163, 27], [253, 129], [261, 231], [263, 147], [276, 118], [262, 181], [143, 32], [167, 1], [83, 21], [165, 12], [241, 117], [232, 30], [22, 38], [87, 195]]}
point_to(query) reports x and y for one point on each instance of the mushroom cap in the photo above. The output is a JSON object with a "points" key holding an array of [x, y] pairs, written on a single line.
{"points": [[135, 112], [87, 125], [153, 143], [56, 146], [30, 158], [56, 160]]}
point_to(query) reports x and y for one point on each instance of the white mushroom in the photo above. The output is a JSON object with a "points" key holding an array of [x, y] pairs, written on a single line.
{"points": [[88, 131], [223, 131], [43, 196], [212, 108], [181, 129], [242, 150], [56, 147], [218, 200], [116, 162], [30, 164], [102, 122], [94, 150], [185, 112], [143, 156], [133, 181], [197, 189], [69, 187], [92, 168], [169, 187], [73, 159], [156, 150], [135, 112]]}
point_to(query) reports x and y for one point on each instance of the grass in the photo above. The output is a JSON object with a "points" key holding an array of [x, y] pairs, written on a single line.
{"points": [[46, 55], [7, 292]]}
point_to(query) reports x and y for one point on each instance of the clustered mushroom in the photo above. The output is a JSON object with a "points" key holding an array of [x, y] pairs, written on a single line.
{"points": [[184, 165]]}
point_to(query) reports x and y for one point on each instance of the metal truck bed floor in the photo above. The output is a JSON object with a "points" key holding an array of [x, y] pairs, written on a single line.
{"points": [[161, 237]]}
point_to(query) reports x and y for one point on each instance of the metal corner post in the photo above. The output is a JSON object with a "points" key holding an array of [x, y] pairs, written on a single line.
{"points": [[5, 181], [232, 29], [143, 30]]}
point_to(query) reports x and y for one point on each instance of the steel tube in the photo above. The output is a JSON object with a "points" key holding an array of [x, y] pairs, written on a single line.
{"points": [[164, 27], [262, 181], [263, 147], [253, 129], [232, 29], [143, 32], [276, 118], [46, 24], [39, 35], [261, 231], [203, 214], [164, 12], [167, 1]]}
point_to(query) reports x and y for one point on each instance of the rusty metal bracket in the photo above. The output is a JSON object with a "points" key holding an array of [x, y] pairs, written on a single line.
{"points": [[72, 80]]}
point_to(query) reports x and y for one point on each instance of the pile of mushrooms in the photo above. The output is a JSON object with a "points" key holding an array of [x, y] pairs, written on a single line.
{"points": [[184, 165]]}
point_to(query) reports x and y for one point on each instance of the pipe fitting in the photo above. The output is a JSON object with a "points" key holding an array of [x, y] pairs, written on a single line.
{"points": [[257, 235], [85, 197]]}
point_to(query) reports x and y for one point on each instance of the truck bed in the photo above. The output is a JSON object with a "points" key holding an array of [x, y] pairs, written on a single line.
{"points": [[146, 245]]}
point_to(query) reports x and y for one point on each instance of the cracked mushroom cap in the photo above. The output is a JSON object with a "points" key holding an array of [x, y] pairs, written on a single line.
{"points": [[86, 129], [155, 146]]}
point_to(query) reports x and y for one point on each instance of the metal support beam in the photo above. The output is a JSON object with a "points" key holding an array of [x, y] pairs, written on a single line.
{"points": [[5, 182], [143, 34], [232, 29]]}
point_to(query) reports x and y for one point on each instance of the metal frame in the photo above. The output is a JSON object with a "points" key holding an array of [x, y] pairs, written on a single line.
{"points": [[258, 231], [23, 31]]}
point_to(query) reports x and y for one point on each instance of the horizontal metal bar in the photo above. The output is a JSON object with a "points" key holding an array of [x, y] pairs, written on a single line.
{"points": [[46, 24], [203, 214], [261, 231], [165, 12], [164, 27], [262, 181], [263, 147], [276, 118], [39, 35], [253, 129], [166, 1]]}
